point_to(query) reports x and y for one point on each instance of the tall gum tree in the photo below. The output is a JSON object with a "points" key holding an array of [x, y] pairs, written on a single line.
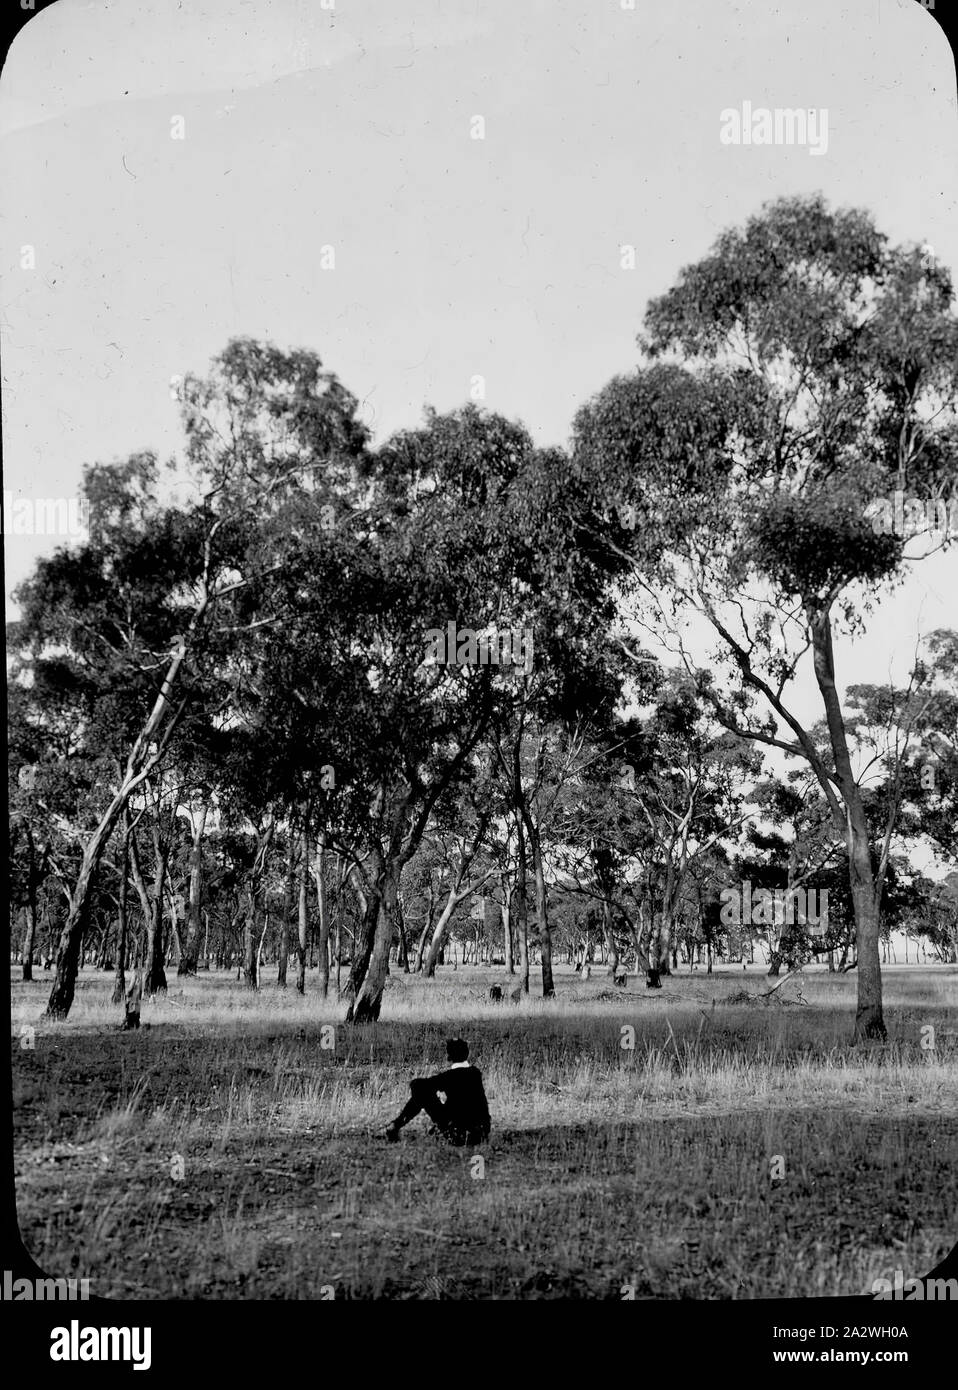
{"points": [[793, 380]]}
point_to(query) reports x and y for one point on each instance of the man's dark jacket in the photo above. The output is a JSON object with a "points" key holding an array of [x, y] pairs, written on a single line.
{"points": [[466, 1112]]}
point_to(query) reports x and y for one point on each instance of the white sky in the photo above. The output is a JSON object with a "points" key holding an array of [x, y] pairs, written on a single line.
{"points": [[308, 126]]}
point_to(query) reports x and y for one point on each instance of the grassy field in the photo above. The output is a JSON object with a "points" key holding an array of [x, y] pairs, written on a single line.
{"points": [[649, 1167]]}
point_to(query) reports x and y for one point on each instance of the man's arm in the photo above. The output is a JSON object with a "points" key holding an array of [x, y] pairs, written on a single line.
{"points": [[433, 1083]]}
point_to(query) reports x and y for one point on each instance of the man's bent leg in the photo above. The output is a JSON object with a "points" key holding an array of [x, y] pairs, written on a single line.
{"points": [[421, 1098]]}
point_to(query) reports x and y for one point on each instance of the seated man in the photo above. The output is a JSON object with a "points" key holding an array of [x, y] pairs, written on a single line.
{"points": [[453, 1099]]}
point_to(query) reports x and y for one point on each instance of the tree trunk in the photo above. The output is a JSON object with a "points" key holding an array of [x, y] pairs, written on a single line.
{"points": [[869, 1020], [520, 897], [34, 877], [174, 943], [608, 928], [426, 928], [249, 940], [642, 959], [365, 936], [30, 934], [191, 947], [542, 916], [506, 911], [154, 981], [865, 892], [340, 915], [119, 979], [254, 913], [439, 934], [70, 944], [368, 987], [140, 764], [103, 950], [288, 894], [421, 947], [303, 915], [659, 943], [403, 944], [323, 908]]}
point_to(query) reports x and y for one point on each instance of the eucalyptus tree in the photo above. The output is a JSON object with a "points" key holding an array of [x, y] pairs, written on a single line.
{"points": [[150, 610], [354, 681], [792, 381], [90, 648]]}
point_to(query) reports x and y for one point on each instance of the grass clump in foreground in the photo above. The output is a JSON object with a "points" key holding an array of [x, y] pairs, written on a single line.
{"points": [[225, 1152]]}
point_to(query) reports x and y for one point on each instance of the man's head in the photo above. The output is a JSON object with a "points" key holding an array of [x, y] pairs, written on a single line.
{"points": [[457, 1049]]}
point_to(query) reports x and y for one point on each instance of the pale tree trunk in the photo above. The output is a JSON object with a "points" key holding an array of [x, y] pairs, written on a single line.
{"points": [[421, 947], [658, 948], [141, 892], [303, 922], [520, 899], [542, 914], [288, 893], [119, 979], [259, 950], [71, 937], [191, 947], [641, 938], [174, 943], [439, 932], [250, 923], [457, 894], [506, 914], [381, 915], [426, 928], [319, 873], [254, 910], [403, 943], [140, 764], [608, 929], [365, 936], [34, 878], [340, 915]]}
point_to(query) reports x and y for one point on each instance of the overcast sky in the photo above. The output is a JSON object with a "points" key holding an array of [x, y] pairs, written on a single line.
{"points": [[350, 127]]}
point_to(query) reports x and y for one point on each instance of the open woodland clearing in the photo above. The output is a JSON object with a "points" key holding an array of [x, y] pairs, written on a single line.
{"points": [[606, 1168]]}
